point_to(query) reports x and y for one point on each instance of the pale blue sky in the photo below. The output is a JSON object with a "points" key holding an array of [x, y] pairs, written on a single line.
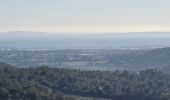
{"points": [[85, 15]]}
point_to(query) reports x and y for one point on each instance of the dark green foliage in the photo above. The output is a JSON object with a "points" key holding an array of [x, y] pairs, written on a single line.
{"points": [[44, 83], [22, 84]]}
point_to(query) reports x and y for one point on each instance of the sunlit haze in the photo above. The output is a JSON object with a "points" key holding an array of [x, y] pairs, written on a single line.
{"points": [[85, 16]]}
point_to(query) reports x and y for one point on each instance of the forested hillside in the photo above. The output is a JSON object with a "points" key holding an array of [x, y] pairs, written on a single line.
{"points": [[154, 58], [44, 83]]}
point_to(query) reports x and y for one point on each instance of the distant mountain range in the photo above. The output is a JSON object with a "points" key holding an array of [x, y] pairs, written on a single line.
{"points": [[21, 39]]}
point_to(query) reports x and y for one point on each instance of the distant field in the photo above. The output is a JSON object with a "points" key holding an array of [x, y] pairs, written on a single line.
{"points": [[89, 59]]}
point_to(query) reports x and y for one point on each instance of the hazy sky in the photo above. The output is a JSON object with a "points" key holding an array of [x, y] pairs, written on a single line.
{"points": [[85, 15]]}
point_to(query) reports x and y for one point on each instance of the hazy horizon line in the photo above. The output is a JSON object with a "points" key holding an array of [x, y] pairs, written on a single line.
{"points": [[86, 32]]}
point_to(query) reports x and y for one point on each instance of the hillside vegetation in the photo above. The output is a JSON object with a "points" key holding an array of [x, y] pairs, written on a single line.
{"points": [[44, 83]]}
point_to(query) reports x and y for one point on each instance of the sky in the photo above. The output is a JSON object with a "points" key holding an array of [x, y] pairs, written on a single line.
{"points": [[85, 16]]}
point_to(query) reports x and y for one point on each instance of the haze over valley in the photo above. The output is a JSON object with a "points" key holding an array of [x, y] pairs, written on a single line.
{"points": [[42, 40]]}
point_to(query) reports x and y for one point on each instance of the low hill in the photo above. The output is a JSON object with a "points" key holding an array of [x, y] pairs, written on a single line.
{"points": [[154, 58]]}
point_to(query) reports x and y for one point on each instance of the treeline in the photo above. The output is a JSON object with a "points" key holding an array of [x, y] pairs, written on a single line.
{"points": [[44, 83], [20, 84]]}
